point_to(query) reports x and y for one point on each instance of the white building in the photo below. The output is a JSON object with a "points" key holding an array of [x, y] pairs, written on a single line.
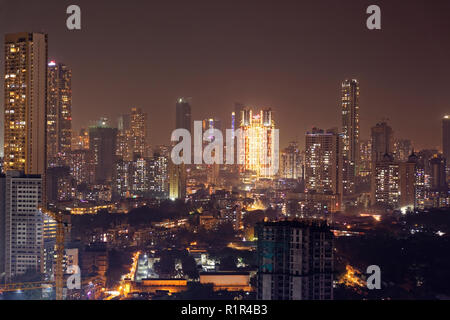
{"points": [[21, 232]]}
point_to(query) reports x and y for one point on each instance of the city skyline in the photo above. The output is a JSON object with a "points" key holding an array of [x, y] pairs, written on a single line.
{"points": [[143, 158], [302, 86]]}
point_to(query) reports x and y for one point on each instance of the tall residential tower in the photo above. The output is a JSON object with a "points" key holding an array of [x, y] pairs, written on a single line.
{"points": [[350, 134], [25, 102], [59, 114]]}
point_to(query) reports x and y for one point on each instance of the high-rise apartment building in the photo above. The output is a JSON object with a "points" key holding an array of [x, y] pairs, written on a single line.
{"points": [[177, 181], [102, 144], [438, 165], [158, 175], [258, 143], [323, 161], [59, 114], [382, 141], [295, 261], [132, 137], [350, 134], [82, 166], [365, 158], [412, 183], [446, 137], [21, 224], [350, 120], [183, 115], [385, 188], [25, 90], [81, 141], [139, 132]]}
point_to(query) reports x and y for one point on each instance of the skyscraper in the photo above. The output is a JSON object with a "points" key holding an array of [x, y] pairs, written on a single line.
{"points": [[102, 144], [132, 135], [323, 161], [82, 166], [412, 183], [177, 173], [258, 143], [158, 176], [295, 261], [382, 141], [350, 131], [21, 224], [365, 155], [385, 188], [183, 115], [438, 180], [446, 137], [177, 181], [59, 114], [407, 184], [138, 130], [25, 102]]}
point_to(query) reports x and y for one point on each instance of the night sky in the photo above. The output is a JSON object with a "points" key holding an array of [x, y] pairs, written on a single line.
{"points": [[288, 55]]}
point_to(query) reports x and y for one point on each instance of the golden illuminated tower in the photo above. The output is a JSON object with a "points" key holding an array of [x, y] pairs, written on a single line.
{"points": [[258, 143], [25, 102], [59, 114]]}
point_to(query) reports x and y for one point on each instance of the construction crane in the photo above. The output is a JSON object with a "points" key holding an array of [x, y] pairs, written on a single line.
{"points": [[62, 225]]}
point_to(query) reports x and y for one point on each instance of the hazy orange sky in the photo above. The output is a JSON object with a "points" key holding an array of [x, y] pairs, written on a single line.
{"points": [[288, 55]]}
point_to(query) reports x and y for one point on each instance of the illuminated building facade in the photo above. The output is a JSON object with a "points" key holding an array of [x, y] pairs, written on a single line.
{"points": [[81, 141], [407, 182], [385, 189], [82, 166], [25, 147], [59, 114], [322, 162], [139, 177], [132, 135], [258, 141], [121, 184], [365, 158], [158, 175], [139, 129], [350, 134], [21, 224]]}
